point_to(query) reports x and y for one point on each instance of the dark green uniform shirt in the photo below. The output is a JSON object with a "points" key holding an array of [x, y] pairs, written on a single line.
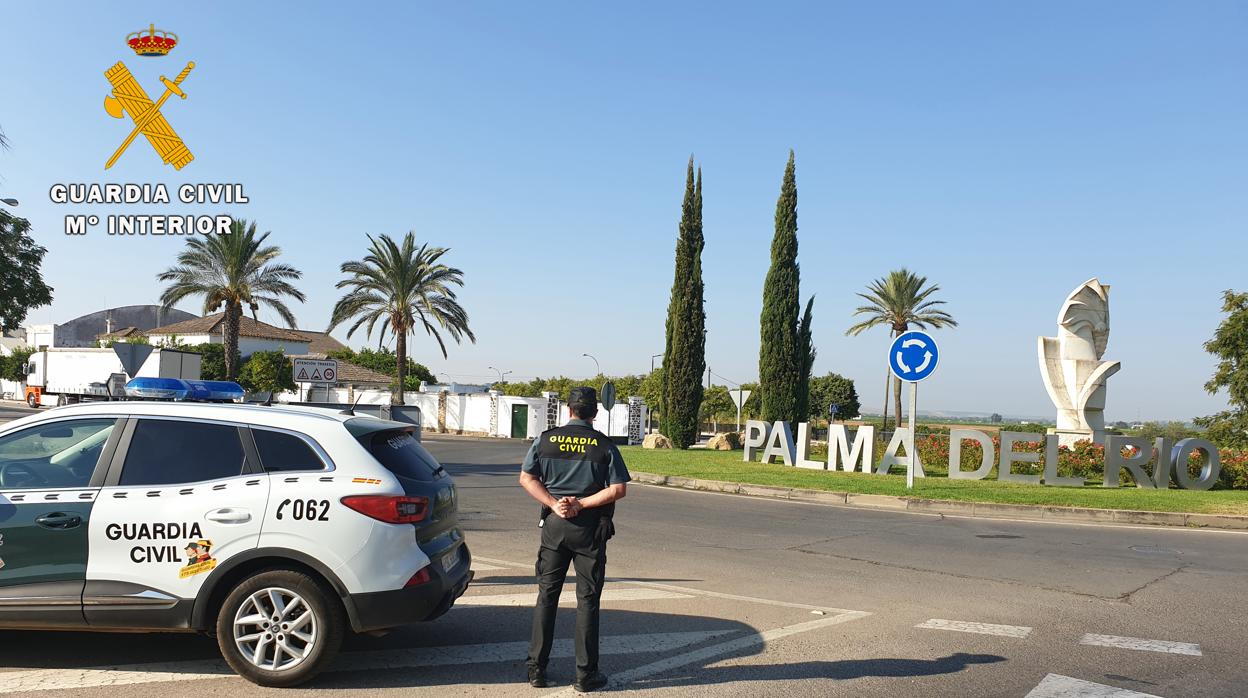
{"points": [[574, 460]]}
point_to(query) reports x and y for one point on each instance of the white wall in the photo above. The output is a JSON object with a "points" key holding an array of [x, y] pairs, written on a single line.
{"points": [[246, 345], [41, 336], [471, 413], [619, 419], [250, 345]]}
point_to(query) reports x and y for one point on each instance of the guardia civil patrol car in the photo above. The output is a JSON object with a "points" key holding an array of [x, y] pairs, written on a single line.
{"points": [[277, 529]]}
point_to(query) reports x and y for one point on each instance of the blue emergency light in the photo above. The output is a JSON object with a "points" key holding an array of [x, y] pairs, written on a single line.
{"points": [[178, 389]]}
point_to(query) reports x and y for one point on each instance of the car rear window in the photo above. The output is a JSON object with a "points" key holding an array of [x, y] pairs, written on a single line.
{"points": [[280, 452], [402, 455]]}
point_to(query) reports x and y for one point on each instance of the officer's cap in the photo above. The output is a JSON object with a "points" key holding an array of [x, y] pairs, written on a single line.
{"points": [[583, 396]]}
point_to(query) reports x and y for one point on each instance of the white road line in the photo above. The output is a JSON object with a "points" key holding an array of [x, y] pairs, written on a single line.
{"points": [[685, 590], [1058, 686], [501, 563], [732, 597], [1138, 643], [58, 679], [963, 626], [483, 567], [567, 598], [707, 653]]}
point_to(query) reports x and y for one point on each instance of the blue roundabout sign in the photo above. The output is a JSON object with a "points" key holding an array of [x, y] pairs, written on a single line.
{"points": [[913, 356]]}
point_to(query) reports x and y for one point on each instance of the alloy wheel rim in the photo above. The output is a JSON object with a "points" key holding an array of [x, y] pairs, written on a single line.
{"points": [[275, 629]]}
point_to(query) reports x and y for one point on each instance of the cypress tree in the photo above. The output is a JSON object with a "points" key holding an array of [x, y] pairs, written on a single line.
{"points": [[684, 356], [779, 363], [806, 361]]}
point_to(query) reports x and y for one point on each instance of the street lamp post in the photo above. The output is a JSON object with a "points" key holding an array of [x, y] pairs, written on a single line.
{"points": [[502, 375], [11, 202], [596, 366]]}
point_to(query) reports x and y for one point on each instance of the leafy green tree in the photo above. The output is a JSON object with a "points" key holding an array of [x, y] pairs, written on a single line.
{"points": [[717, 405], [1175, 431], [11, 366], [138, 339], [1229, 428], [402, 288], [785, 354], [996, 418], [230, 272], [900, 301], [267, 371], [684, 356], [833, 389], [211, 360], [651, 389], [21, 282]]}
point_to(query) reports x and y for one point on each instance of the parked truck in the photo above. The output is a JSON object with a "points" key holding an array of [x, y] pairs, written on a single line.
{"points": [[65, 376]]}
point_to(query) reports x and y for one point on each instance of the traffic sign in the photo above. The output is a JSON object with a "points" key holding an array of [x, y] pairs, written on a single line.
{"points": [[913, 356], [607, 395], [132, 356], [739, 397], [315, 371]]}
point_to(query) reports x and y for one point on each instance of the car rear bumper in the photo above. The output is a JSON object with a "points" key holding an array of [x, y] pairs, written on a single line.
{"points": [[413, 604]]}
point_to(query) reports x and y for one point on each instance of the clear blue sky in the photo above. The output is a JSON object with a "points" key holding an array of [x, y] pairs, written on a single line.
{"points": [[1008, 151]]}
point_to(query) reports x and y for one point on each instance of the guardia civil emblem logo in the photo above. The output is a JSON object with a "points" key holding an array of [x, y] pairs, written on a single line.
{"points": [[129, 99]]}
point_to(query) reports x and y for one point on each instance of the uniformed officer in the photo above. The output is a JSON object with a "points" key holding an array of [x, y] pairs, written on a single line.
{"points": [[577, 475]]}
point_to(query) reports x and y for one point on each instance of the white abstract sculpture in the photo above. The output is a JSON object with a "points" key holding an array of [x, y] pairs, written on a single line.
{"points": [[1071, 364]]}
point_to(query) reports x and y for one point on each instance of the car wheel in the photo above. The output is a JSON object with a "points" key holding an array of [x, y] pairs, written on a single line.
{"points": [[32, 401], [60, 400], [280, 628]]}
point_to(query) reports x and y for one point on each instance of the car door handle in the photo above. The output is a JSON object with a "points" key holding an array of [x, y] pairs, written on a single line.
{"points": [[59, 520], [229, 516]]}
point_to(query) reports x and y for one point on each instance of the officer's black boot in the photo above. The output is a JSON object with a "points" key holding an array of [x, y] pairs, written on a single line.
{"points": [[590, 682], [537, 676]]}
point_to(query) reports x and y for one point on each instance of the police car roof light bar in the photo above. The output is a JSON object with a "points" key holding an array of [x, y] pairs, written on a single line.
{"points": [[183, 390]]}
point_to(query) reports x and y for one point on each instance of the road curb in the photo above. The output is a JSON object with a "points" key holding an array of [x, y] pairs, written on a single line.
{"points": [[1022, 512]]}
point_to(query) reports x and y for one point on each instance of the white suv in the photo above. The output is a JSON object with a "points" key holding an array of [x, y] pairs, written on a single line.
{"points": [[278, 529]]}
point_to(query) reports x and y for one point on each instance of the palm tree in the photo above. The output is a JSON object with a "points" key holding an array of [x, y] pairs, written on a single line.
{"points": [[231, 271], [899, 301], [403, 288]]}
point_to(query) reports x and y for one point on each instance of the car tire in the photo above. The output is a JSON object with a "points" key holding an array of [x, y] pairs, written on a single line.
{"points": [[32, 401], [260, 649]]}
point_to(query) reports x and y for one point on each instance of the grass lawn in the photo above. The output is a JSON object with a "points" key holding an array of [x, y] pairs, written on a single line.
{"points": [[728, 466]]}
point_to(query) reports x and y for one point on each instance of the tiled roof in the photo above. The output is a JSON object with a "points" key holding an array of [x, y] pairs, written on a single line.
{"points": [[247, 327], [119, 334], [321, 342]]}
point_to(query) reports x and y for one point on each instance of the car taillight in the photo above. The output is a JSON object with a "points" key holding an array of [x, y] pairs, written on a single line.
{"points": [[395, 510], [421, 577]]}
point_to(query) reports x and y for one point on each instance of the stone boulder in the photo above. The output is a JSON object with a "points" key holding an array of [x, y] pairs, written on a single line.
{"points": [[730, 441], [656, 441]]}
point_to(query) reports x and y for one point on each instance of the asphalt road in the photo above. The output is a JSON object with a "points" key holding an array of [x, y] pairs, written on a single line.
{"points": [[724, 595]]}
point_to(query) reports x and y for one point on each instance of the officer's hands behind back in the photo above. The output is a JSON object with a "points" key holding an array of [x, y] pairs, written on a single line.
{"points": [[567, 508]]}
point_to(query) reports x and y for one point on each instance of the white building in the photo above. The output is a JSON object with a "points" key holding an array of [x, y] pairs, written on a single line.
{"points": [[253, 335]]}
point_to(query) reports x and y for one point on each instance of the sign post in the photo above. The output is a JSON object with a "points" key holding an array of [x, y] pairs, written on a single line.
{"points": [[912, 357], [314, 371], [739, 397]]}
